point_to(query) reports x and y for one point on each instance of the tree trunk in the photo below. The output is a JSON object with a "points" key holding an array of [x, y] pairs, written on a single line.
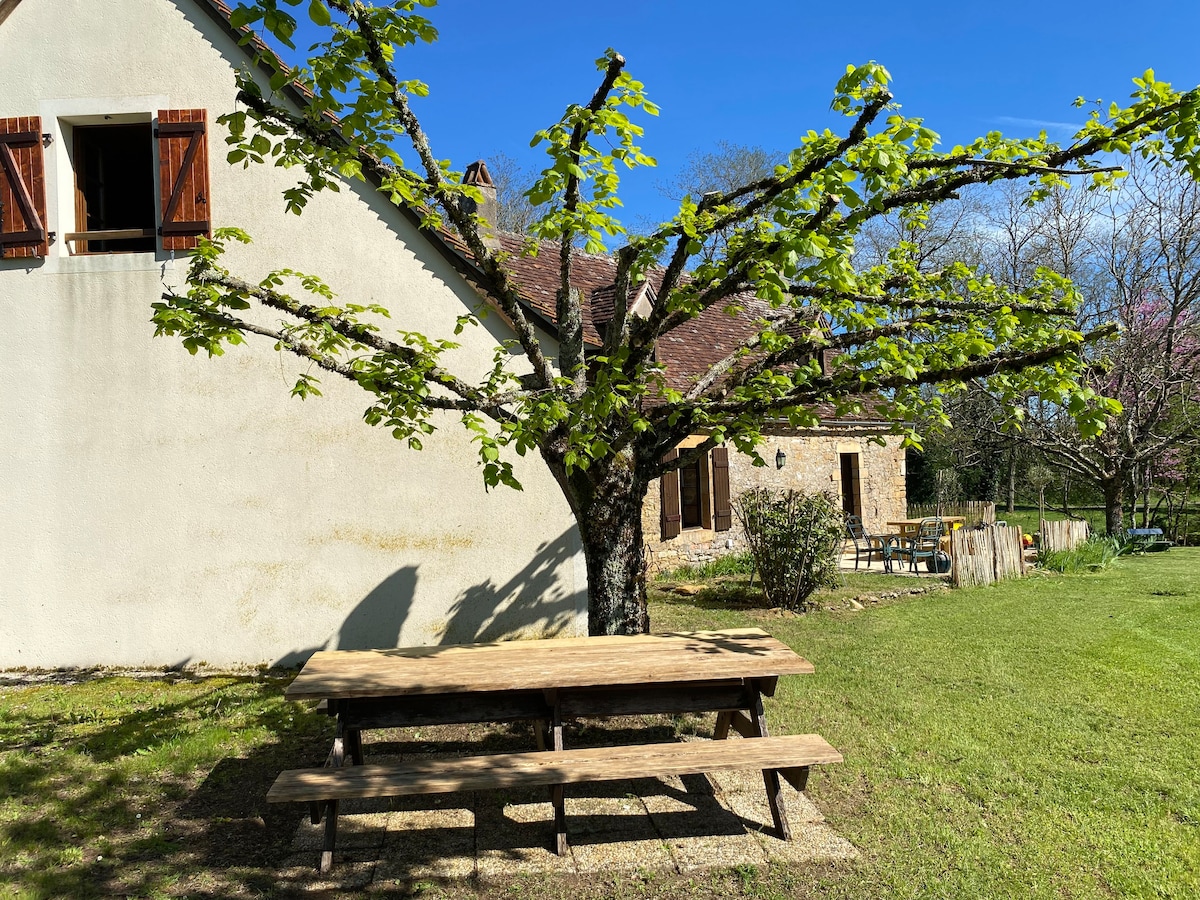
{"points": [[607, 500], [1114, 504], [1011, 505], [616, 570]]}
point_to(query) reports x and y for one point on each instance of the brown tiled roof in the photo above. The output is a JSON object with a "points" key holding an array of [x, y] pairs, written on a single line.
{"points": [[538, 278], [687, 351]]}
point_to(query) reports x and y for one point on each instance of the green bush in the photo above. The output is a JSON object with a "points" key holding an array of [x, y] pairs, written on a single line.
{"points": [[794, 538], [1094, 554]]}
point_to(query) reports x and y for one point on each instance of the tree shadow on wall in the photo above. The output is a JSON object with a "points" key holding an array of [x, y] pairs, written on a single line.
{"points": [[379, 617], [533, 603]]}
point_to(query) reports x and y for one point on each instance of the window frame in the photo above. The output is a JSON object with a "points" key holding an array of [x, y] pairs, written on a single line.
{"points": [[713, 501], [58, 117], [82, 237]]}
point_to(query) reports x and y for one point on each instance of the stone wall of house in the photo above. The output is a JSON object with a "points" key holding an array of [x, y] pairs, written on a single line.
{"points": [[813, 464]]}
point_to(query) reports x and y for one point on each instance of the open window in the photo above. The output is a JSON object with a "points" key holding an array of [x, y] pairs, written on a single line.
{"points": [[114, 189], [129, 178], [696, 495]]}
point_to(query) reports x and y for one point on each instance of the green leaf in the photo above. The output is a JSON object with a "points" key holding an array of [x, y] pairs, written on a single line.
{"points": [[319, 13]]}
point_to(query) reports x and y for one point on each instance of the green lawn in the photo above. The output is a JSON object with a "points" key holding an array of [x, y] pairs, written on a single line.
{"points": [[1040, 738], [1027, 517]]}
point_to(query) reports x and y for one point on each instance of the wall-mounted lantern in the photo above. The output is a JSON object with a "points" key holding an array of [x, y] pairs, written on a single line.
{"points": [[780, 458]]}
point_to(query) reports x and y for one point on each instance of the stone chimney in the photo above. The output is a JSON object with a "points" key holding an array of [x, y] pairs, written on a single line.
{"points": [[489, 209]]}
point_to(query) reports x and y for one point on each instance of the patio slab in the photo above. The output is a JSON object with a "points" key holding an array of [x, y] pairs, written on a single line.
{"points": [[664, 825]]}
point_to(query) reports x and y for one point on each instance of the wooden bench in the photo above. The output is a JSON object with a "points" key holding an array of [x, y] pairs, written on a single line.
{"points": [[788, 756]]}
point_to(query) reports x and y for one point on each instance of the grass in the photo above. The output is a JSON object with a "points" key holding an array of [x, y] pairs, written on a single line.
{"points": [[1094, 554], [1027, 518], [730, 564], [1032, 739]]}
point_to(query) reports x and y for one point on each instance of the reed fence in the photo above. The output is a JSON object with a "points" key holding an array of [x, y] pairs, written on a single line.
{"points": [[986, 555], [1066, 534]]}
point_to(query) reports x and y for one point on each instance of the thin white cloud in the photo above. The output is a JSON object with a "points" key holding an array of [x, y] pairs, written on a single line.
{"points": [[1065, 128]]}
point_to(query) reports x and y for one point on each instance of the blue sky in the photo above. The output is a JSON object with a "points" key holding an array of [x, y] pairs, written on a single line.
{"points": [[762, 73]]}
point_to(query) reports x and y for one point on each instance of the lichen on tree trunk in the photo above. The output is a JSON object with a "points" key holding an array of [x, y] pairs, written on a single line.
{"points": [[607, 501]]}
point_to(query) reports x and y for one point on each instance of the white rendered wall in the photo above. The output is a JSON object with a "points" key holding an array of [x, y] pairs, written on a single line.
{"points": [[159, 508]]}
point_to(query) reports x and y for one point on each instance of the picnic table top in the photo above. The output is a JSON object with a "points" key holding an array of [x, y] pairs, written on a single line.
{"points": [[1145, 532], [915, 522], [647, 659]]}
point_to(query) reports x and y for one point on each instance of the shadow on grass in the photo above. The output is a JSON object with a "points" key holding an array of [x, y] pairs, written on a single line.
{"points": [[152, 794], [164, 792]]}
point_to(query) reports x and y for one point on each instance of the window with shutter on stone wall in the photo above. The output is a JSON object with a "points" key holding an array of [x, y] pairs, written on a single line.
{"points": [[112, 169], [695, 495]]}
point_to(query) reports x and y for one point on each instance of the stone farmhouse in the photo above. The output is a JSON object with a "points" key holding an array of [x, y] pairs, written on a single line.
{"points": [[166, 509]]}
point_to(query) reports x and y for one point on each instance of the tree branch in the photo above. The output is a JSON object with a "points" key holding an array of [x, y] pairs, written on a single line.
{"points": [[568, 305], [469, 397]]}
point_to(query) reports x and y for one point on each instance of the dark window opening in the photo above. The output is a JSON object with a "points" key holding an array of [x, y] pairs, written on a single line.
{"points": [[114, 187], [851, 485], [691, 485]]}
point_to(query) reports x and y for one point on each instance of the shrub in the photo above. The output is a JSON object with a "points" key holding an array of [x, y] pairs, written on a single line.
{"points": [[794, 538], [1092, 555]]}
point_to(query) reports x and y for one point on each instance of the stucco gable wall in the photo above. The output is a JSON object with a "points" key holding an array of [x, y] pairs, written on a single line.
{"points": [[162, 508]]}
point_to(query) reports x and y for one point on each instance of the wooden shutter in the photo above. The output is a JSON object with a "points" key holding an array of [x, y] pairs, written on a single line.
{"points": [[722, 513], [668, 487], [183, 177], [22, 189]]}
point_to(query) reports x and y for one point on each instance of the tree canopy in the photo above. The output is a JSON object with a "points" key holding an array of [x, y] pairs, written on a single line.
{"points": [[820, 334]]}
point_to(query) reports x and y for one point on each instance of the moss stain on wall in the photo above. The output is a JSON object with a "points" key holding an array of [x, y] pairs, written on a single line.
{"points": [[391, 542]]}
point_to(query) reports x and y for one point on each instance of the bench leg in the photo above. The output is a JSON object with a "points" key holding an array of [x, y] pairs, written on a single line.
{"points": [[797, 777], [558, 801], [557, 794], [331, 815]]}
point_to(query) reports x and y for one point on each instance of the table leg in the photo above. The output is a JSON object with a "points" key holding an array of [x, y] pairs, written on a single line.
{"points": [[354, 745], [331, 815], [329, 808], [758, 720], [721, 728], [557, 795]]}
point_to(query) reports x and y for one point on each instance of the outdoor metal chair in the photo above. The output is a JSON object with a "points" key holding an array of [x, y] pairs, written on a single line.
{"points": [[870, 545], [924, 546]]}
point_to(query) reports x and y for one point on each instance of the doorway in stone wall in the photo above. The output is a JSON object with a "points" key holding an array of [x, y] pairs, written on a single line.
{"points": [[851, 484]]}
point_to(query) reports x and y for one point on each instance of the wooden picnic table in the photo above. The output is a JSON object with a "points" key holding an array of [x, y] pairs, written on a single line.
{"points": [[727, 672], [907, 528]]}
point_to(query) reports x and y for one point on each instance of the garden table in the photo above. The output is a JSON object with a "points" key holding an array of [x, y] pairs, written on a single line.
{"points": [[727, 672], [907, 528]]}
